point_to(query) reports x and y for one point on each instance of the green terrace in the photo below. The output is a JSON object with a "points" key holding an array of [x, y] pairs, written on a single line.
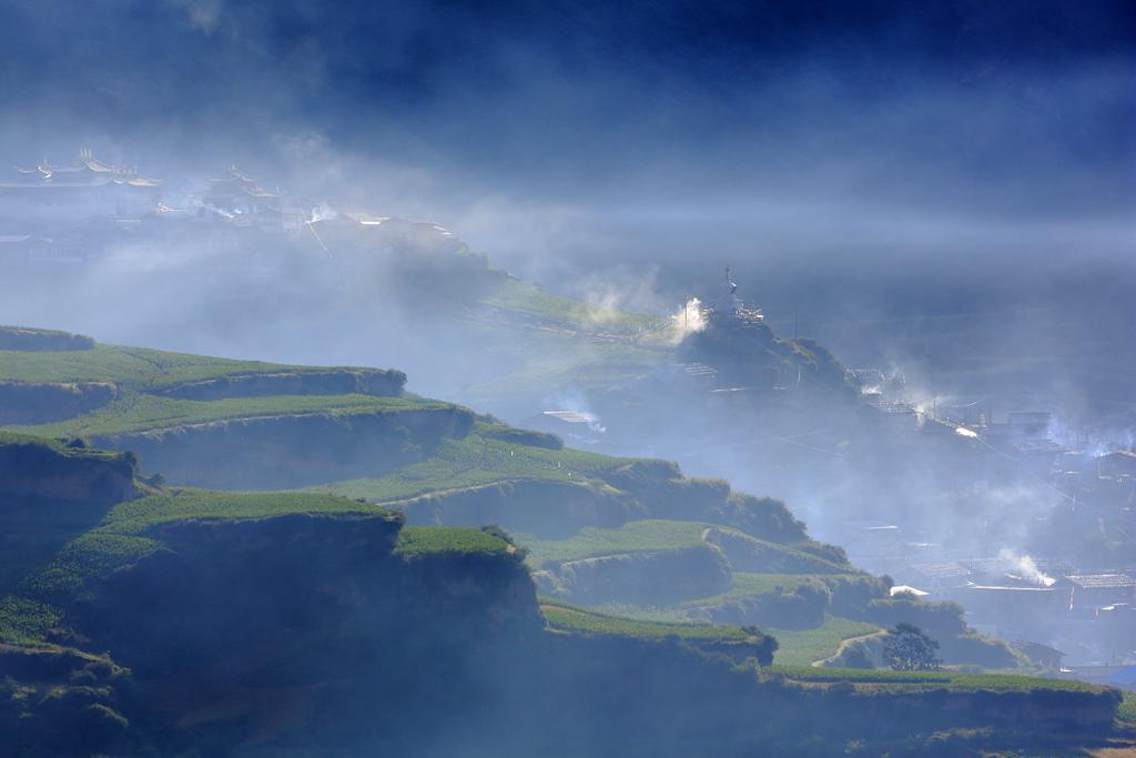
{"points": [[129, 366], [650, 535], [805, 647], [567, 618], [126, 535], [884, 680], [796, 647], [138, 412], [133, 517], [478, 459], [422, 541], [634, 536], [57, 446], [748, 584]]}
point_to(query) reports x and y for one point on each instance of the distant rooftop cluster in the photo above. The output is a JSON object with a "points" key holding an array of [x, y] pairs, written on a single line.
{"points": [[86, 172]]}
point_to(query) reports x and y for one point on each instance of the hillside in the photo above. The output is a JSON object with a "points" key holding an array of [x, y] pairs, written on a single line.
{"points": [[302, 621], [625, 534]]}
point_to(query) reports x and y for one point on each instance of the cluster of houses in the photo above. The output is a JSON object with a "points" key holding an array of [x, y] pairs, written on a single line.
{"points": [[1089, 616], [70, 213]]}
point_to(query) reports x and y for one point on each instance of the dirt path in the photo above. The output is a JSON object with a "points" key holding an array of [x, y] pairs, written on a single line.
{"points": [[844, 644]]}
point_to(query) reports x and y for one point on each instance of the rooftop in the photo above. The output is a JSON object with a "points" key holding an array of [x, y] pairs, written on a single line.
{"points": [[1102, 581]]}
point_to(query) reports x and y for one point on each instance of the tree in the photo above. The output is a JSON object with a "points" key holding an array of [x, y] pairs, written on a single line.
{"points": [[907, 648]]}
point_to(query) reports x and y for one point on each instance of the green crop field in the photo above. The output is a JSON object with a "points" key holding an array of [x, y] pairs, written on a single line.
{"points": [[420, 541], [122, 539], [16, 438], [801, 647], [182, 504], [130, 366], [885, 680], [746, 584], [568, 618], [634, 536], [141, 412], [477, 460]]}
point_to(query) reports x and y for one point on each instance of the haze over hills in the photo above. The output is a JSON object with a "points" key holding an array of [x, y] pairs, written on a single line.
{"points": [[103, 553], [572, 379], [906, 485]]}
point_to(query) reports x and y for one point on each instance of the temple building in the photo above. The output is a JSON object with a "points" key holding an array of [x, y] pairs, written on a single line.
{"points": [[237, 198], [85, 188]]}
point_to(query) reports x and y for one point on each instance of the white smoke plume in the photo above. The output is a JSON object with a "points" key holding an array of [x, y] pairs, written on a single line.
{"points": [[687, 320], [1025, 567]]}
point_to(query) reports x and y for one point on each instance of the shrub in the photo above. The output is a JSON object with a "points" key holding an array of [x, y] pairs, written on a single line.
{"points": [[907, 648]]}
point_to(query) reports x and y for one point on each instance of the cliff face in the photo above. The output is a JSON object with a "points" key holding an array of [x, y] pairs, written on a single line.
{"points": [[279, 452], [255, 629], [31, 470], [41, 403], [49, 495]]}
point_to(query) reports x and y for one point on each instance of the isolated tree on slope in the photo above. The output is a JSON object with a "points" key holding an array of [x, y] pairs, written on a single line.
{"points": [[907, 648]]}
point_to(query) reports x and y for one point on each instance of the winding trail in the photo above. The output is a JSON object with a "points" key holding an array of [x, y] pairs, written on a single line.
{"points": [[844, 644]]}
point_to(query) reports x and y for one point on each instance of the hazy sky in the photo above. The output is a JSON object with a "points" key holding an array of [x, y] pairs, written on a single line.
{"points": [[560, 136]]}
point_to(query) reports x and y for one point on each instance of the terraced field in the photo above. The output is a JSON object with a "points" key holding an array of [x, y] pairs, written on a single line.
{"points": [[139, 412], [127, 534], [880, 680], [804, 647], [485, 456], [133, 367], [569, 618]]}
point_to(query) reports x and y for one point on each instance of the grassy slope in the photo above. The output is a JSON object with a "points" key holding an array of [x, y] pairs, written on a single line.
{"points": [[791, 656], [883, 680], [138, 371], [477, 460], [141, 412], [797, 647], [748, 584], [569, 618], [130, 366], [122, 539], [420, 541], [802, 647], [632, 537], [17, 438]]}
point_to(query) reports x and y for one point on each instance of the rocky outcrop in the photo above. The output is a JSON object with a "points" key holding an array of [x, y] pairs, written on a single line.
{"points": [[657, 577], [42, 403], [378, 382], [41, 340], [278, 452]]}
